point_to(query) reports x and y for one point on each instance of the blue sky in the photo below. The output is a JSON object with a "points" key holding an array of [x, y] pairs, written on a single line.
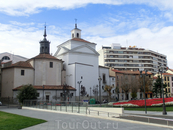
{"points": [[141, 23]]}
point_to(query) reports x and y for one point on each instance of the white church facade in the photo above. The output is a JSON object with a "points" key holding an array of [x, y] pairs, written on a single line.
{"points": [[80, 61]]}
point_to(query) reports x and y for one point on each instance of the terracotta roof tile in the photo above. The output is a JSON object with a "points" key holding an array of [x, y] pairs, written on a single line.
{"points": [[166, 74], [117, 71], [48, 87], [130, 72], [21, 64], [80, 40]]}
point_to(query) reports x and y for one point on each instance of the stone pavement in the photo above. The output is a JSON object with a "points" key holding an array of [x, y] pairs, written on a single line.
{"points": [[63, 121]]}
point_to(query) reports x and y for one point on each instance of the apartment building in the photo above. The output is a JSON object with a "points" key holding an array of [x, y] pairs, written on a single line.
{"points": [[131, 58]]}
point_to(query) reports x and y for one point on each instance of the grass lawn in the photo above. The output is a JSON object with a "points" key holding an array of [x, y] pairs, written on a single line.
{"points": [[16, 122], [150, 109]]}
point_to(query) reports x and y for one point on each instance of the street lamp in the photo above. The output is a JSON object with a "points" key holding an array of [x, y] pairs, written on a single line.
{"points": [[43, 92], [79, 82], [143, 75], [164, 108], [90, 92], [100, 88]]}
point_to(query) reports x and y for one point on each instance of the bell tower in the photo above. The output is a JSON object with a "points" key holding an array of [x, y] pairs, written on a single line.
{"points": [[44, 44], [75, 33]]}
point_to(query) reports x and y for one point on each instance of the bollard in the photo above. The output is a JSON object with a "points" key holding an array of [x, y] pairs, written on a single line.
{"points": [[108, 114], [66, 106], [98, 113]]}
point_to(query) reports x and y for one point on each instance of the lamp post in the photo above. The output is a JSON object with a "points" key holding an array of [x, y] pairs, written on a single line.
{"points": [[90, 92], [143, 75], [100, 89], [43, 92], [164, 108]]}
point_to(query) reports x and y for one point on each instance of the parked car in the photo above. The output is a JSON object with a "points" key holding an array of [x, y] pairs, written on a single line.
{"points": [[0, 103]]}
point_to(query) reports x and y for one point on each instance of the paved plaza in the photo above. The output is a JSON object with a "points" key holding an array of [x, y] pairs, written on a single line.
{"points": [[63, 121]]}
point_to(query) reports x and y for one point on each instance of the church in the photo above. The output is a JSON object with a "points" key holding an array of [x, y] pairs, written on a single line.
{"points": [[80, 61], [43, 71], [75, 64]]}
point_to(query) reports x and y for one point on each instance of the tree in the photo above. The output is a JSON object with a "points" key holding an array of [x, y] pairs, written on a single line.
{"points": [[125, 84], [117, 91], [157, 89], [108, 89], [83, 91], [27, 92], [148, 84], [134, 88]]}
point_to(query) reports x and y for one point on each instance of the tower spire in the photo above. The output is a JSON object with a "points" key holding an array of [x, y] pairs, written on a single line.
{"points": [[45, 31], [44, 44], [75, 23]]}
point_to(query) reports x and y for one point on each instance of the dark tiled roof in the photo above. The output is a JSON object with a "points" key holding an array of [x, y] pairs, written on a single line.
{"points": [[21, 64], [44, 56], [48, 87]]}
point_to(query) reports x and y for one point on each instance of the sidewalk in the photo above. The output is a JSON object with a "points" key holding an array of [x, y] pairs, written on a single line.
{"points": [[148, 113], [65, 121]]}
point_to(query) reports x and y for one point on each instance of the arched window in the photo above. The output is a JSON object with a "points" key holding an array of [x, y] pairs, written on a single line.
{"points": [[73, 35], [42, 49], [46, 49], [5, 58], [77, 34]]}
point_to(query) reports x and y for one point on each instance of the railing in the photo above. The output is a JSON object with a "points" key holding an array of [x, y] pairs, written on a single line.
{"points": [[9, 102], [74, 107]]}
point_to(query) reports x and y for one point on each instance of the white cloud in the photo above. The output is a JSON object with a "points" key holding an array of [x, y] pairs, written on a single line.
{"points": [[160, 41], [25, 41], [27, 7]]}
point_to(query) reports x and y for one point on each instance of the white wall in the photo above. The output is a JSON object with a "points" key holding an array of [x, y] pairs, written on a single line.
{"points": [[101, 57]]}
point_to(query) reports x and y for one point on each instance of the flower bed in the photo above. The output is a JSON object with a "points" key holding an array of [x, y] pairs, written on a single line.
{"points": [[149, 102]]}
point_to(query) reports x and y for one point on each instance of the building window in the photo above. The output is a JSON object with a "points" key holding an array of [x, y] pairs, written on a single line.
{"points": [[165, 78], [51, 64], [22, 72], [112, 78], [103, 87], [5, 58], [168, 85], [104, 78], [77, 34], [73, 35], [61, 94], [172, 78], [112, 85]]}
